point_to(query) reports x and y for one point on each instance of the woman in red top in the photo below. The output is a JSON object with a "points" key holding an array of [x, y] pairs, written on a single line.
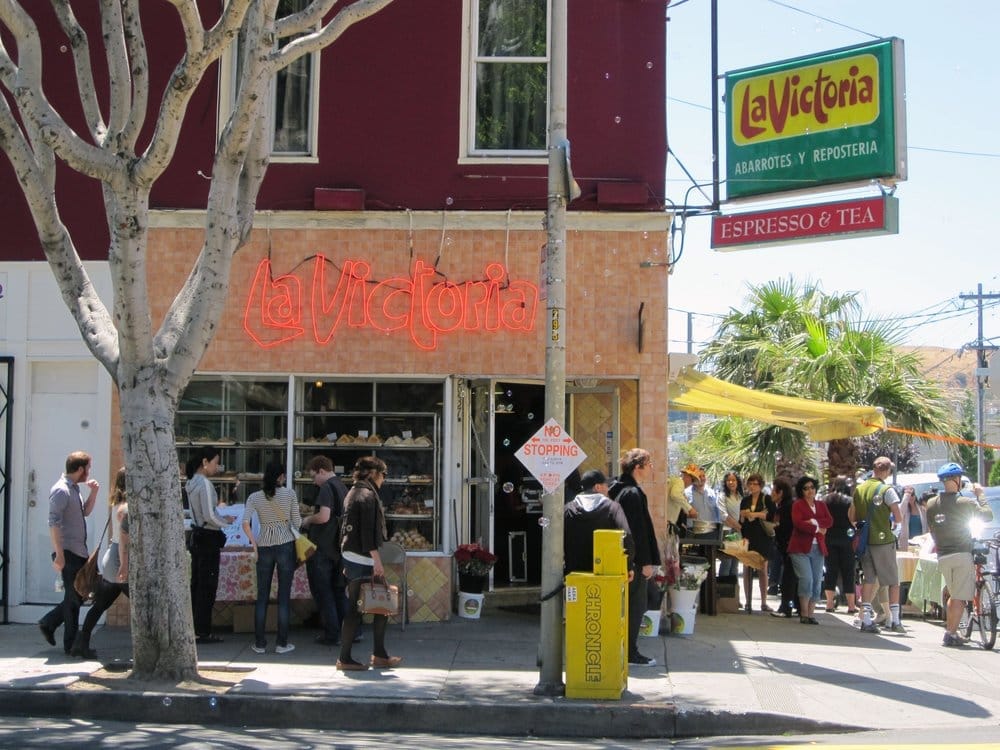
{"points": [[807, 546]]}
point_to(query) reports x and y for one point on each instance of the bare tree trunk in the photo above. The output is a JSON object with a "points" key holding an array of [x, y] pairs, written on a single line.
{"points": [[159, 570]]}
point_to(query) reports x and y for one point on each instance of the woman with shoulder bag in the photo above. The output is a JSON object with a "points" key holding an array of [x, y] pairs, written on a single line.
{"points": [[114, 570], [756, 511], [277, 510], [207, 539], [362, 533]]}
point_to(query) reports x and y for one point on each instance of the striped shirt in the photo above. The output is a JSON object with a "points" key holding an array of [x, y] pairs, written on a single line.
{"points": [[276, 516]]}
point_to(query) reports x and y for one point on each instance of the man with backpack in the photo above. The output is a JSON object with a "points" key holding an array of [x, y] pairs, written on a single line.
{"points": [[877, 505], [326, 579]]}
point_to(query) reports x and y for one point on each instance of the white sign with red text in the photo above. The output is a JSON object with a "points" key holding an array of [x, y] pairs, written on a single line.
{"points": [[550, 455]]}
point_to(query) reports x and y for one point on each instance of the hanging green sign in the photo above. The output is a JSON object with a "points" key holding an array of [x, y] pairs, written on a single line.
{"points": [[819, 120]]}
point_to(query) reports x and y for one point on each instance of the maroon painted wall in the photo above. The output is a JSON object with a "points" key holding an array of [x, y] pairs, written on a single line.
{"points": [[390, 120]]}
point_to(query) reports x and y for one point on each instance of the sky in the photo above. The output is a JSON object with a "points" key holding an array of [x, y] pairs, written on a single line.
{"points": [[947, 209]]}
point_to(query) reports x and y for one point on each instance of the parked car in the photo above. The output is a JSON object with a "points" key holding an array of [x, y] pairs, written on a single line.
{"points": [[989, 529]]}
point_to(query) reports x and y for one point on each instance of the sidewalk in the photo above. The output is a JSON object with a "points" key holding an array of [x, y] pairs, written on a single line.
{"points": [[738, 674]]}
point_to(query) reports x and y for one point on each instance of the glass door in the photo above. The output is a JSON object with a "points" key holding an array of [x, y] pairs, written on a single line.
{"points": [[482, 480]]}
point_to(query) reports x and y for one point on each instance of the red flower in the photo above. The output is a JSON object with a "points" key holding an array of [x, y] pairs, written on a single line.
{"points": [[473, 559]]}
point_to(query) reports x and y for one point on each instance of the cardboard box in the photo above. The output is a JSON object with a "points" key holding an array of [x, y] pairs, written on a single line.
{"points": [[727, 598]]}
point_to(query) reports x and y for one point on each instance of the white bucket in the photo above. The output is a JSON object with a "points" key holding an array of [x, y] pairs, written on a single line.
{"points": [[684, 605], [470, 606], [650, 626]]}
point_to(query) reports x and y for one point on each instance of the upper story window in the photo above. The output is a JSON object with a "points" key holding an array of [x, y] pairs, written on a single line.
{"points": [[506, 76], [293, 99]]}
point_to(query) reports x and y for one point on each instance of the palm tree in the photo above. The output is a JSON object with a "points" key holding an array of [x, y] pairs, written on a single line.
{"points": [[796, 340]]}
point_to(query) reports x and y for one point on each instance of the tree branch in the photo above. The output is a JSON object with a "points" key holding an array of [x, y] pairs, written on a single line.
{"points": [[306, 19], [80, 44], [136, 42], [325, 36], [119, 75], [202, 51]]}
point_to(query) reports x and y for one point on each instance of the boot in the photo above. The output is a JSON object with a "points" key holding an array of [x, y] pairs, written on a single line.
{"points": [[81, 647]]}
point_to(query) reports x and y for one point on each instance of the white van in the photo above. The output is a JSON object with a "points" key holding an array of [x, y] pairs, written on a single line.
{"points": [[927, 481]]}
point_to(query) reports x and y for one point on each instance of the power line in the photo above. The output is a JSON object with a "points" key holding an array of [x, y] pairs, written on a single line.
{"points": [[824, 18]]}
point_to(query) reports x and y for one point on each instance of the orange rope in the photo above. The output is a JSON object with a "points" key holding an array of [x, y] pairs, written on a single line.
{"points": [[929, 436]]}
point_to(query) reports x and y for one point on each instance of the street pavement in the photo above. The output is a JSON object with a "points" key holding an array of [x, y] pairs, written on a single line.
{"points": [[738, 674]]}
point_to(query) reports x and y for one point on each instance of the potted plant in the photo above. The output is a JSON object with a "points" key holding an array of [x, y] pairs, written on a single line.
{"points": [[474, 563]]}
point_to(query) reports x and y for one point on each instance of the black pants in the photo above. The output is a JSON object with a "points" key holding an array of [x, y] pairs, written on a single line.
{"points": [[638, 599], [106, 595], [67, 613], [789, 586], [839, 564], [205, 553]]}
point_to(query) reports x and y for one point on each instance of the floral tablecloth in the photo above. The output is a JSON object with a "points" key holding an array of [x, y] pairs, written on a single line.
{"points": [[238, 579]]}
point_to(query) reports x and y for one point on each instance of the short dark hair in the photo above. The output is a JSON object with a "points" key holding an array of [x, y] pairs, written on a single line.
{"points": [[591, 479], [319, 463], [76, 461], [803, 481]]}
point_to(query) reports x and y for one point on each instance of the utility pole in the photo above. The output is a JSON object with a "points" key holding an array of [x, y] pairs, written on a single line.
{"points": [[550, 652], [982, 373]]}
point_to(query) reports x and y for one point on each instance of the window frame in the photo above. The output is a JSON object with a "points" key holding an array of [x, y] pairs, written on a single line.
{"points": [[468, 154], [227, 97]]}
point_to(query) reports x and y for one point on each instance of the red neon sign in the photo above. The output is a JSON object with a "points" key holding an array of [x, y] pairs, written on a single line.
{"points": [[417, 303]]}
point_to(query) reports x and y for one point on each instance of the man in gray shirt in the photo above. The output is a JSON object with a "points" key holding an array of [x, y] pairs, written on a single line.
{"points": [[68, 530]]}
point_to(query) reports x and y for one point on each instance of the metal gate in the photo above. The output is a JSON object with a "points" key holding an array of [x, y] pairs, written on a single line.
{"points": [[6, 429]]}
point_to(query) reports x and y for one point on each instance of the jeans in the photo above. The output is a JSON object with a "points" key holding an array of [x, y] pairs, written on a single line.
{"points": [[106, 595], [728, 567], [281, 556], [328, 587], [809, 569], [67, 612], [204, 581]]}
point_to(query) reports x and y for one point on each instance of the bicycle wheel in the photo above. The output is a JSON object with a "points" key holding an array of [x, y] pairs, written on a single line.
{"points": [[987, 616], [969, 620]]}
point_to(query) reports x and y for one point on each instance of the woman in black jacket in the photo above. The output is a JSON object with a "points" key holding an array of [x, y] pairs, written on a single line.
{"points": [[362, 533], [839, 547], [783, 496]]}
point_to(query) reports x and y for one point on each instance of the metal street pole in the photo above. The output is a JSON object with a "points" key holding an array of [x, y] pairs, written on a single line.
{"points": [[550, 675]]}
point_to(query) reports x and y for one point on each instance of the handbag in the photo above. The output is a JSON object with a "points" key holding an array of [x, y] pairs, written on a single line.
{"points": [[88, 577], [304, 548], [769, 526], [379, 597]]}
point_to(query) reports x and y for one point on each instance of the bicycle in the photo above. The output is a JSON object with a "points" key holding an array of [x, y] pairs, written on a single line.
{"points": [[981, 612]]}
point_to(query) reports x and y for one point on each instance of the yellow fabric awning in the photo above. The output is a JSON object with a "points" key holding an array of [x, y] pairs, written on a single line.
{"points": [[822, 420]]}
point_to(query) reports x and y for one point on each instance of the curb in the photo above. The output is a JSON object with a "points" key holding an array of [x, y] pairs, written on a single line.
{"points": [[546, 717]]}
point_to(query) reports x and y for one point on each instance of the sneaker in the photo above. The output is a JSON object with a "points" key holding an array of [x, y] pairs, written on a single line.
{"points": [[258, 649], [897, 627], [772, 590], [641, 661], [286, 649], [952, 641], [871, 628]]}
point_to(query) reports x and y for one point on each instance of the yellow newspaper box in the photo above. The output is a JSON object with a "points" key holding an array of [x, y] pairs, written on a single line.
{"points": [[596, 612], [609, 553], [596, 665]]}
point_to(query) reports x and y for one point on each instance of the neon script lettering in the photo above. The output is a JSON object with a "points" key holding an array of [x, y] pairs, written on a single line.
{"points": [[812, 99], [420, 305]]}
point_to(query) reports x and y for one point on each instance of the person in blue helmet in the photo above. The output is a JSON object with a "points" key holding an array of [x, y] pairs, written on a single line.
{"points": [[949, 516]]}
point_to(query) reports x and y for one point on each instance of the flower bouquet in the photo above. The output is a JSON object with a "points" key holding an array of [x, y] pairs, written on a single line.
{"points": [[691, 576], [474, 563]]}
